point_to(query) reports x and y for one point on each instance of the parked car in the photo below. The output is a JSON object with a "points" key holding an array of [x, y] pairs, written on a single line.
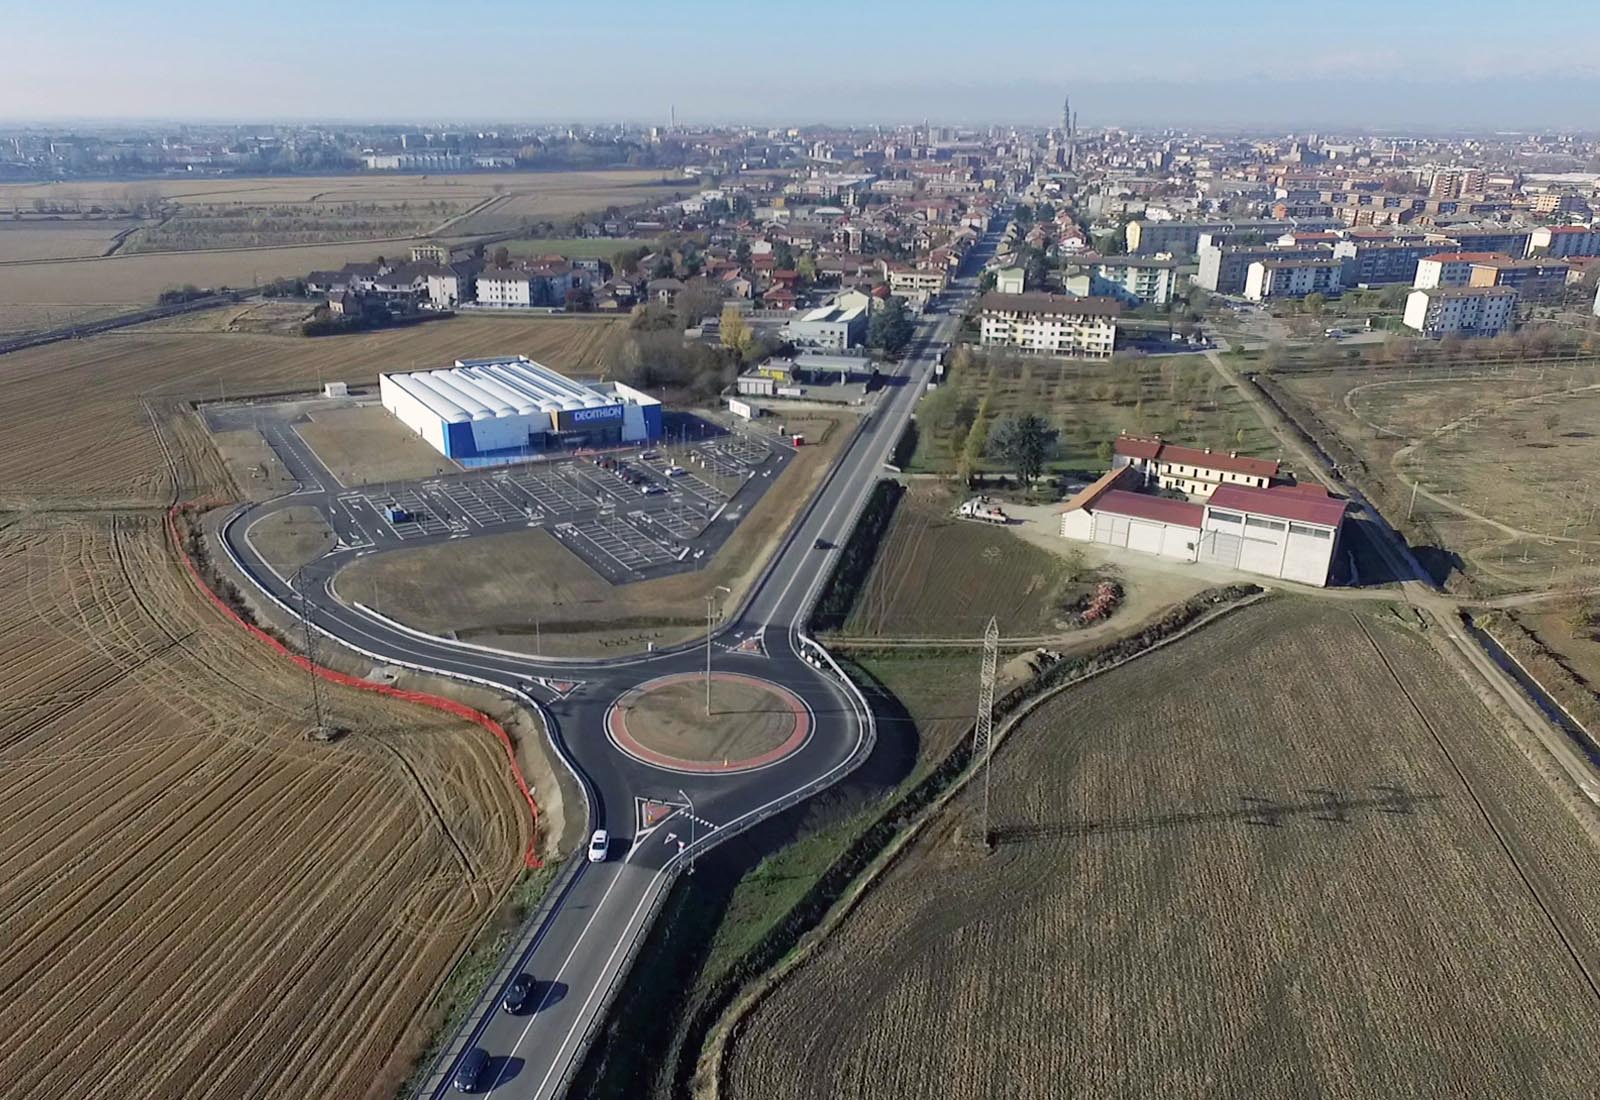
{"points": [[599, 846], [471, 1070], [518, 994]]}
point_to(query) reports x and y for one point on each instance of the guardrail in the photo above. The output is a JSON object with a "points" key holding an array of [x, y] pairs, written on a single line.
{"points": [[482, 1010], [602, 1012]]}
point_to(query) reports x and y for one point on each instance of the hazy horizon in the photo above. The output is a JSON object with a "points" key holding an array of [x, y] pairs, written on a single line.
{"points": [[1244, 68]]}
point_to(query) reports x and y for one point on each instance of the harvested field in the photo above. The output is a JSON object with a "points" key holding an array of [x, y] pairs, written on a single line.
{"points": [[367, 444], [273, 317], [49, 240], [77, 428], [524, 590], [1205, 885], [1089, 402], [937, 576], [1492, 452], [562, 194], [124, 282], [198, 901]]}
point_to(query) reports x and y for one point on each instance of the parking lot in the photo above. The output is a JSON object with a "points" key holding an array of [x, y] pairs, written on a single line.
{"points": [[619, 545], [625, 514]]}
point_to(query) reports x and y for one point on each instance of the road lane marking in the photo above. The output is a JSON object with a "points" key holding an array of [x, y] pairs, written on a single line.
{"points": [[556, 979]]}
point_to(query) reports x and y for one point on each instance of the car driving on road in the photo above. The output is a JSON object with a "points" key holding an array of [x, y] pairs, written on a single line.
{"points": [[471, 1070], [518, 994], [599, 846]]}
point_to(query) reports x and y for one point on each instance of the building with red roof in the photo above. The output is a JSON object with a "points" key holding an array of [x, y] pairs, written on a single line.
{"points": [[1197, 471], [1289, 532]]}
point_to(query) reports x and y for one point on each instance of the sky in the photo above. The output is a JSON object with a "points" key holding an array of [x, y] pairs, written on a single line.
{"points": [[1370, 64]]}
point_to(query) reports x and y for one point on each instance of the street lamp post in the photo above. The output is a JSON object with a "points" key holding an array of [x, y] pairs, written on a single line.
{"points": [[711, 602], [690, 803]]}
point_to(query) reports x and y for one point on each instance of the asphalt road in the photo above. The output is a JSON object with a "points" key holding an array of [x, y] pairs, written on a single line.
{"points": [[582, 946]]}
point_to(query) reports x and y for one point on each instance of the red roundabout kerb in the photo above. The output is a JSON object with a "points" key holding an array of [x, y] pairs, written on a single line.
{"points": [[617, 726]]}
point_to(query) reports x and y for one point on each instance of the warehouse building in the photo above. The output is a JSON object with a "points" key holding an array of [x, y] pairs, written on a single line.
{"points": [[483, 411], [1288, 531]]}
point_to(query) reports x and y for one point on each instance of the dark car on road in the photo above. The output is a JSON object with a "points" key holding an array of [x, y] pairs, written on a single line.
{"points": [[471, 1070], [518, 994]]}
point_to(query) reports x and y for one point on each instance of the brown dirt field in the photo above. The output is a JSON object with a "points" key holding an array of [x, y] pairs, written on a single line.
{"points": [[42, 240], [333, 190], [497, 585], [76, 426], [198, 901], [116, 284], [745, 721], [938, 576], [281, 317], [1207, 885], [367, 444], [290, 537], [1500, 444]]}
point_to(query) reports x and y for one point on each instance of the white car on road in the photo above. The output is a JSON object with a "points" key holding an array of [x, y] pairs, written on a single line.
{"points": [[599, 846]]}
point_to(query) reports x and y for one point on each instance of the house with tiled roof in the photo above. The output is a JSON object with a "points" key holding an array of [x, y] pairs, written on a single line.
{"points": [[1195, 471]]}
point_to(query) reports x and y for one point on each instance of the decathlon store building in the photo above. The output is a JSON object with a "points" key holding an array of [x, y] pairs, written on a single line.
{"points": [[488, 410]]}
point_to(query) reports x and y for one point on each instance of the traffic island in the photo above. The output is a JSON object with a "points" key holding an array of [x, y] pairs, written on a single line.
{"points": [[753, 723]]}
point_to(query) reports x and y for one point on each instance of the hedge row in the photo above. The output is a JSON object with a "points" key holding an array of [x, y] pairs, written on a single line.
{"points": [[854, 562]]}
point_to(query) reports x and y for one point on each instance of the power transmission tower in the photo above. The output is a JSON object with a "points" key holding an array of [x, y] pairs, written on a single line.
{"points": [[319, 729], [983, 738]]}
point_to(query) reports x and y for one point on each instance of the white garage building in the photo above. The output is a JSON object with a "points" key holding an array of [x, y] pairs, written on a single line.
{"points": [[483, 410], [1289, 531]]}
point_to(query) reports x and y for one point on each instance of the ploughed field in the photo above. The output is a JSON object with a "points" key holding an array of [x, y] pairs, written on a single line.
{"points": [[197, 900], [1290, 855]]}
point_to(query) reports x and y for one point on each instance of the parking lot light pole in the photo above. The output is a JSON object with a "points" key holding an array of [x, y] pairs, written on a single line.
{"points": [[711, 602]]}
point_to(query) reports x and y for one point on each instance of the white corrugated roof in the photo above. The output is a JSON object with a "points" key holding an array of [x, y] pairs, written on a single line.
{"points": [[482, 389]]}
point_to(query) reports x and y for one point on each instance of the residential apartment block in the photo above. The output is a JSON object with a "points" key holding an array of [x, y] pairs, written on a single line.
{"points": [[1451, 268], [1146, 238], [1135, 280], [1565, 240], [1461, 310], [916, 281], [1374, 262], [1224, 269], [1292, 278], [1050, 323], [1536, 280]]}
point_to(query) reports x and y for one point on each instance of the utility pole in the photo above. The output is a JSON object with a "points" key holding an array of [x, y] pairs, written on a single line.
{"points": [[690, 803], [711, 603], [318, 729], [983, 736]]}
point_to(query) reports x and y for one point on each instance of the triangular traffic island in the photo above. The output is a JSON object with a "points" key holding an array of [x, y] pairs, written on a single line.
{"points": [[650, 812]]}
